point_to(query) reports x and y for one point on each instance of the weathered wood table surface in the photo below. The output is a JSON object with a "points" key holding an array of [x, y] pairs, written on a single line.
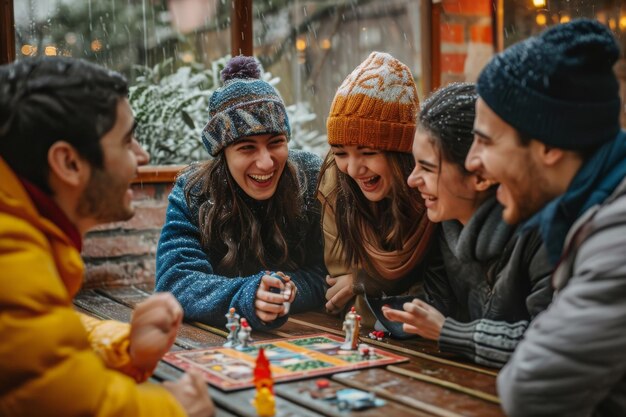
{"points": [[430, 384]]}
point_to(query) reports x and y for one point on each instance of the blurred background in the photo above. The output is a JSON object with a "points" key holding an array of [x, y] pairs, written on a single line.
{"points": [[172, 50]]}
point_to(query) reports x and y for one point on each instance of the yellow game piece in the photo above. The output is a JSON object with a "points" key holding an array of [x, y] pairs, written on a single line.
{"points": [[264, 403]]}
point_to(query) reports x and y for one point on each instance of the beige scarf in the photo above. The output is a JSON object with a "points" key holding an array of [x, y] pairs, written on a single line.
{"points": [[392, 265]]}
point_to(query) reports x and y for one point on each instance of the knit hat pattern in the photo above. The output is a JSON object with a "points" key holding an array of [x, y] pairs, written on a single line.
{"points": [[558, 87], [376, 106], [244, 106]]}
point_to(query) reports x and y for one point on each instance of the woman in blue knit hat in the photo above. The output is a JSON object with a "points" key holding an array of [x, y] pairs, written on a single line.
{"points": [[494, 279], [242, 230]]}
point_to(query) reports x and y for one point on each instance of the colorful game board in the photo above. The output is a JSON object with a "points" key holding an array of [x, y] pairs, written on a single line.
{"points": [[291, 359]]}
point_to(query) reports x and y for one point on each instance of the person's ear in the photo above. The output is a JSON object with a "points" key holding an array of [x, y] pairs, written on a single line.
{"points": [[482, 184], [547, 155], [67, 165]]}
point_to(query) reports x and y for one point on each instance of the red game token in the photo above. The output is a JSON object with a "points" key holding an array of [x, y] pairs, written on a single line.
{"points": [[322, 383]]}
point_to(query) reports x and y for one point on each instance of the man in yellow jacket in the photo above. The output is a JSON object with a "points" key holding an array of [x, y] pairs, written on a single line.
{"points": [[67, 156]]}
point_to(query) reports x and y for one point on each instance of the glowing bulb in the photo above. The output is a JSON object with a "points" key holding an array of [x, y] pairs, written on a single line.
{"points": [[541, 19], [622, 23], [96, 45], [50, 50], [612, 24], [27, 49], [300, 44], [565, 18], [539, 3], [326, 44]]}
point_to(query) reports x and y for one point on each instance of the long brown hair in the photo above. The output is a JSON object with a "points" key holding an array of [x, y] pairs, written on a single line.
{"points": [[244, 235], [393, 219]]}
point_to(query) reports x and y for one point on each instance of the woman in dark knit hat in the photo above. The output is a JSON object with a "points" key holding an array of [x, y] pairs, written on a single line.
{"points": [[244, 214], [494, 280], [375, 228]]}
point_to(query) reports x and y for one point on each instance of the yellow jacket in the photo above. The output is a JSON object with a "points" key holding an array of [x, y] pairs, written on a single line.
{"points": [[49, 363]]}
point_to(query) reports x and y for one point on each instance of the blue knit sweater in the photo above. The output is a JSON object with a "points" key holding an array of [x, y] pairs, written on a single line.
{"points": [[186, 270]]}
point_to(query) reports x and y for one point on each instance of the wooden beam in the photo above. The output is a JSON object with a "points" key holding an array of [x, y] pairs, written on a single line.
{"points": [[241, 28], [7, 32], [426, 46], [436, 43]]}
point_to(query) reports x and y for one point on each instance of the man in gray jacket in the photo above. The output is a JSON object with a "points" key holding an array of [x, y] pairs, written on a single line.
{"points": [[547, 128]]}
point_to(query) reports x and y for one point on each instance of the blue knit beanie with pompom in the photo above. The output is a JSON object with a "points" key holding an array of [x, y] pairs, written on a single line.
{"points": [[558, 87], [244, 106]]}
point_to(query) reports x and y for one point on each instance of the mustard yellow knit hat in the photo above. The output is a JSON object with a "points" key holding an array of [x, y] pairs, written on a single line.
{"points": [[376, 106]]}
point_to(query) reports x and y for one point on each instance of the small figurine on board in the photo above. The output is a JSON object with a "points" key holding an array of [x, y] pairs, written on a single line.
{"points": [[244, 334], [263, 372], [351, 326], [264, 403], [232, 325], [264, 399]]}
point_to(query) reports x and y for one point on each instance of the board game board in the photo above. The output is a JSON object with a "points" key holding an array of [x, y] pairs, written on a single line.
{"points": [[291, 359]]}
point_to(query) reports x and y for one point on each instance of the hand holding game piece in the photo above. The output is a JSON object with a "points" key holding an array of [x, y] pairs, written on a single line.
{"points": [[153, 329], [269, 302], [340, 292], [418, 318], [191, 392]]}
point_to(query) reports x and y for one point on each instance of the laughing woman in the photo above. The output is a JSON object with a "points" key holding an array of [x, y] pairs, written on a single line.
{"points": [[375, 228], [248, 212], [496, 279]]}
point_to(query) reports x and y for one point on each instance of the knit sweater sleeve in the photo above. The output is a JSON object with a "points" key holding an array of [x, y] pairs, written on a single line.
{"points": [[184, 269], [492, 342]]}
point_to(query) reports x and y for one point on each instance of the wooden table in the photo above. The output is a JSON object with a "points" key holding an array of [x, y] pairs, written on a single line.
{"points": [[430, 384]]}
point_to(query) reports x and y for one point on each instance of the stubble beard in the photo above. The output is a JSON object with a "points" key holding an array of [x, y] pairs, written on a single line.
{"points": [[104, 199]]}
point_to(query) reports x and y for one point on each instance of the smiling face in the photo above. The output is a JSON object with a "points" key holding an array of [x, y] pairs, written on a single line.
{"points": [[368, 167], [257, 162], [107, 196], [448, 193], [498, 153]]}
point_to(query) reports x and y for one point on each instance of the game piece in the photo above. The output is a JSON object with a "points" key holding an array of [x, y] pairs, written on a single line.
{"points": [[286, 291], [322, 383], [377, 335], [351, 326], [365, 352], [264, 403], [263, 372], [354, 399], [232, 325], [244, 334]]}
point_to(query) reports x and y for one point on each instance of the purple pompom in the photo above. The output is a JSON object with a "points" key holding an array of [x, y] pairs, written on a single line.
{"points": [[241, 67]]}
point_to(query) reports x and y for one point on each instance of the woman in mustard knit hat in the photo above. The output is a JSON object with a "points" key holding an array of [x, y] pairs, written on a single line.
{"points": [[376, 232]]}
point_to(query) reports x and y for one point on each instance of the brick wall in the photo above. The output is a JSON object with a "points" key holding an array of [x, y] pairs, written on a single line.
{"points": [[466, 39], [123, 253]]}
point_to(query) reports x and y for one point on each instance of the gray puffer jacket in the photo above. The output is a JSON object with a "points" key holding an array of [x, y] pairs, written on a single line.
{"points": [[494, 280], [573, 359]]}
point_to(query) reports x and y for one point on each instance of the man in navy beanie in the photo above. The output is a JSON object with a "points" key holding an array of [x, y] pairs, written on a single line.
{"points": [[547, 129]]}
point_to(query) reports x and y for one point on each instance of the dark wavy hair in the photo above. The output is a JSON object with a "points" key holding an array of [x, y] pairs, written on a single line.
{"points": [[392, 218], [49, 99], [246, 239], [448, 117]]}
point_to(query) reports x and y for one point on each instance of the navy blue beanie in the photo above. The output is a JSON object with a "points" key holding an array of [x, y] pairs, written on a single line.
{"points": [[245, 105], [558, 87]]}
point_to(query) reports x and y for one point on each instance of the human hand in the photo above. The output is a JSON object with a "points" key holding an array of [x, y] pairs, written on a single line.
{"points": [[270, 297], [340, 292], [192, 393], [153, 329], [419, 318]]}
